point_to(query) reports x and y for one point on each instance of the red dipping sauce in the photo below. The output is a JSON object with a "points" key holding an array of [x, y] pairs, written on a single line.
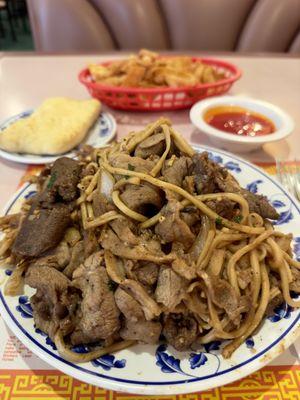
{"points": [[239, 121]]}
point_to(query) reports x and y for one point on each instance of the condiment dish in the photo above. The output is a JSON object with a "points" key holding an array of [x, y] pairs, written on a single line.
{"points": [[283, 123]]}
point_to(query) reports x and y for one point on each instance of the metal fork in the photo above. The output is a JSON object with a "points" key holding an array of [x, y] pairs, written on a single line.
{"points": [[288, 175]]}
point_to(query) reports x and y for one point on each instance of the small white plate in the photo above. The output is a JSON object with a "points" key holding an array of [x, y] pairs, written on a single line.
{"points": [[103, 130], [283, 123]]}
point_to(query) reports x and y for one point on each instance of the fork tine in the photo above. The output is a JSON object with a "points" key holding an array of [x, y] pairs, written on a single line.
{"points": [[297, 179], [289, 174]]}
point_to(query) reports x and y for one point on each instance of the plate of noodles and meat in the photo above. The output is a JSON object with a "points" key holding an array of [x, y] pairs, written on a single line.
{"points": [[152, 267]]}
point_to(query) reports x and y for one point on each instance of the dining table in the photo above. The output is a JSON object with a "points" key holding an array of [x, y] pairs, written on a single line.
{"points": [[26, 79]]}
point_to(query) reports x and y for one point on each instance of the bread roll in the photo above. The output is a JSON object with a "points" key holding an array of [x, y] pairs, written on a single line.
{"points": [[56, 127]]}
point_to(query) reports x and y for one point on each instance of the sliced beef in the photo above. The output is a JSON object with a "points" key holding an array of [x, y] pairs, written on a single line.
{"points": [[176, 172], [222, 294], [62, 184], [150, 308], [128, 306], [147, 273], [207, 173], [190, 215], [100, 204], [41, 230], [98, 315], [212, 178], [126, 161], [172, 228], [90, 243], [259, 204], [142, 330], [123, 228], [144, 198], [57, 258], [180, 330], [77, 258], [225, 208], [171, 288], [67, 174], [148, 250], [55, 301], [154, 144]]}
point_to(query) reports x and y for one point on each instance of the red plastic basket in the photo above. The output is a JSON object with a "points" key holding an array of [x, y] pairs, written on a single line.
{"points": [[160, 99]]}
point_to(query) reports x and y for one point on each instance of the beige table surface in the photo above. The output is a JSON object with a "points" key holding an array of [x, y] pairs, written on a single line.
{"points": [[26, 80]]}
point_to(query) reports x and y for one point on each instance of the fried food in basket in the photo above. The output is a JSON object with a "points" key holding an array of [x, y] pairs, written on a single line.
{"points": [[149, 69]]}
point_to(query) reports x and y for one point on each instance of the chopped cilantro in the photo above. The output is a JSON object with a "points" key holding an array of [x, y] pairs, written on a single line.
{"points": [[238, 218], [112, 285], [51, 180], [219, 222], [131, 167]]}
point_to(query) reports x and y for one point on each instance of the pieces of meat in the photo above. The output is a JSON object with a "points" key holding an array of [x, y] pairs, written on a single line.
{"points": [[212, 178], [222, 294], [172, 228], [180, 331], [142, 330], [56, 258], [150, 308], [98, 315], [147, 273], [190, 215], [144, 198], [55, 301], [125, 160], [224, 207], [100, 204], [146, 249], [155, 144], [77, 258], [171, 288], [135, 325], [259, 204], [206, 173], [65, 174], [122, 227], [62, 183], [176, 172], [90, 243], [41, 230], [128, 306]]}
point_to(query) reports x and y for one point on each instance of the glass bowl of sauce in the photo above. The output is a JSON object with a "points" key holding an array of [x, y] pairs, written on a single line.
{"points": [[239, 123]]}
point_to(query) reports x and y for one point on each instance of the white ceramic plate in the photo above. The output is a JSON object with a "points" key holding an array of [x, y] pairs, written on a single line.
{"points": [[159, 369], [103, 130]]}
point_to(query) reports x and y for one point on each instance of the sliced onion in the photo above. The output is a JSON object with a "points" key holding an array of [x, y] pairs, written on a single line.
{"points": [[106, 184]]}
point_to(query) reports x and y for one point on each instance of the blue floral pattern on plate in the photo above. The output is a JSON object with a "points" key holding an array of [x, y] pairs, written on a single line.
{"points": [[253, 186], [170, 364], [230, 165], [24, 307], [250, 342]]}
